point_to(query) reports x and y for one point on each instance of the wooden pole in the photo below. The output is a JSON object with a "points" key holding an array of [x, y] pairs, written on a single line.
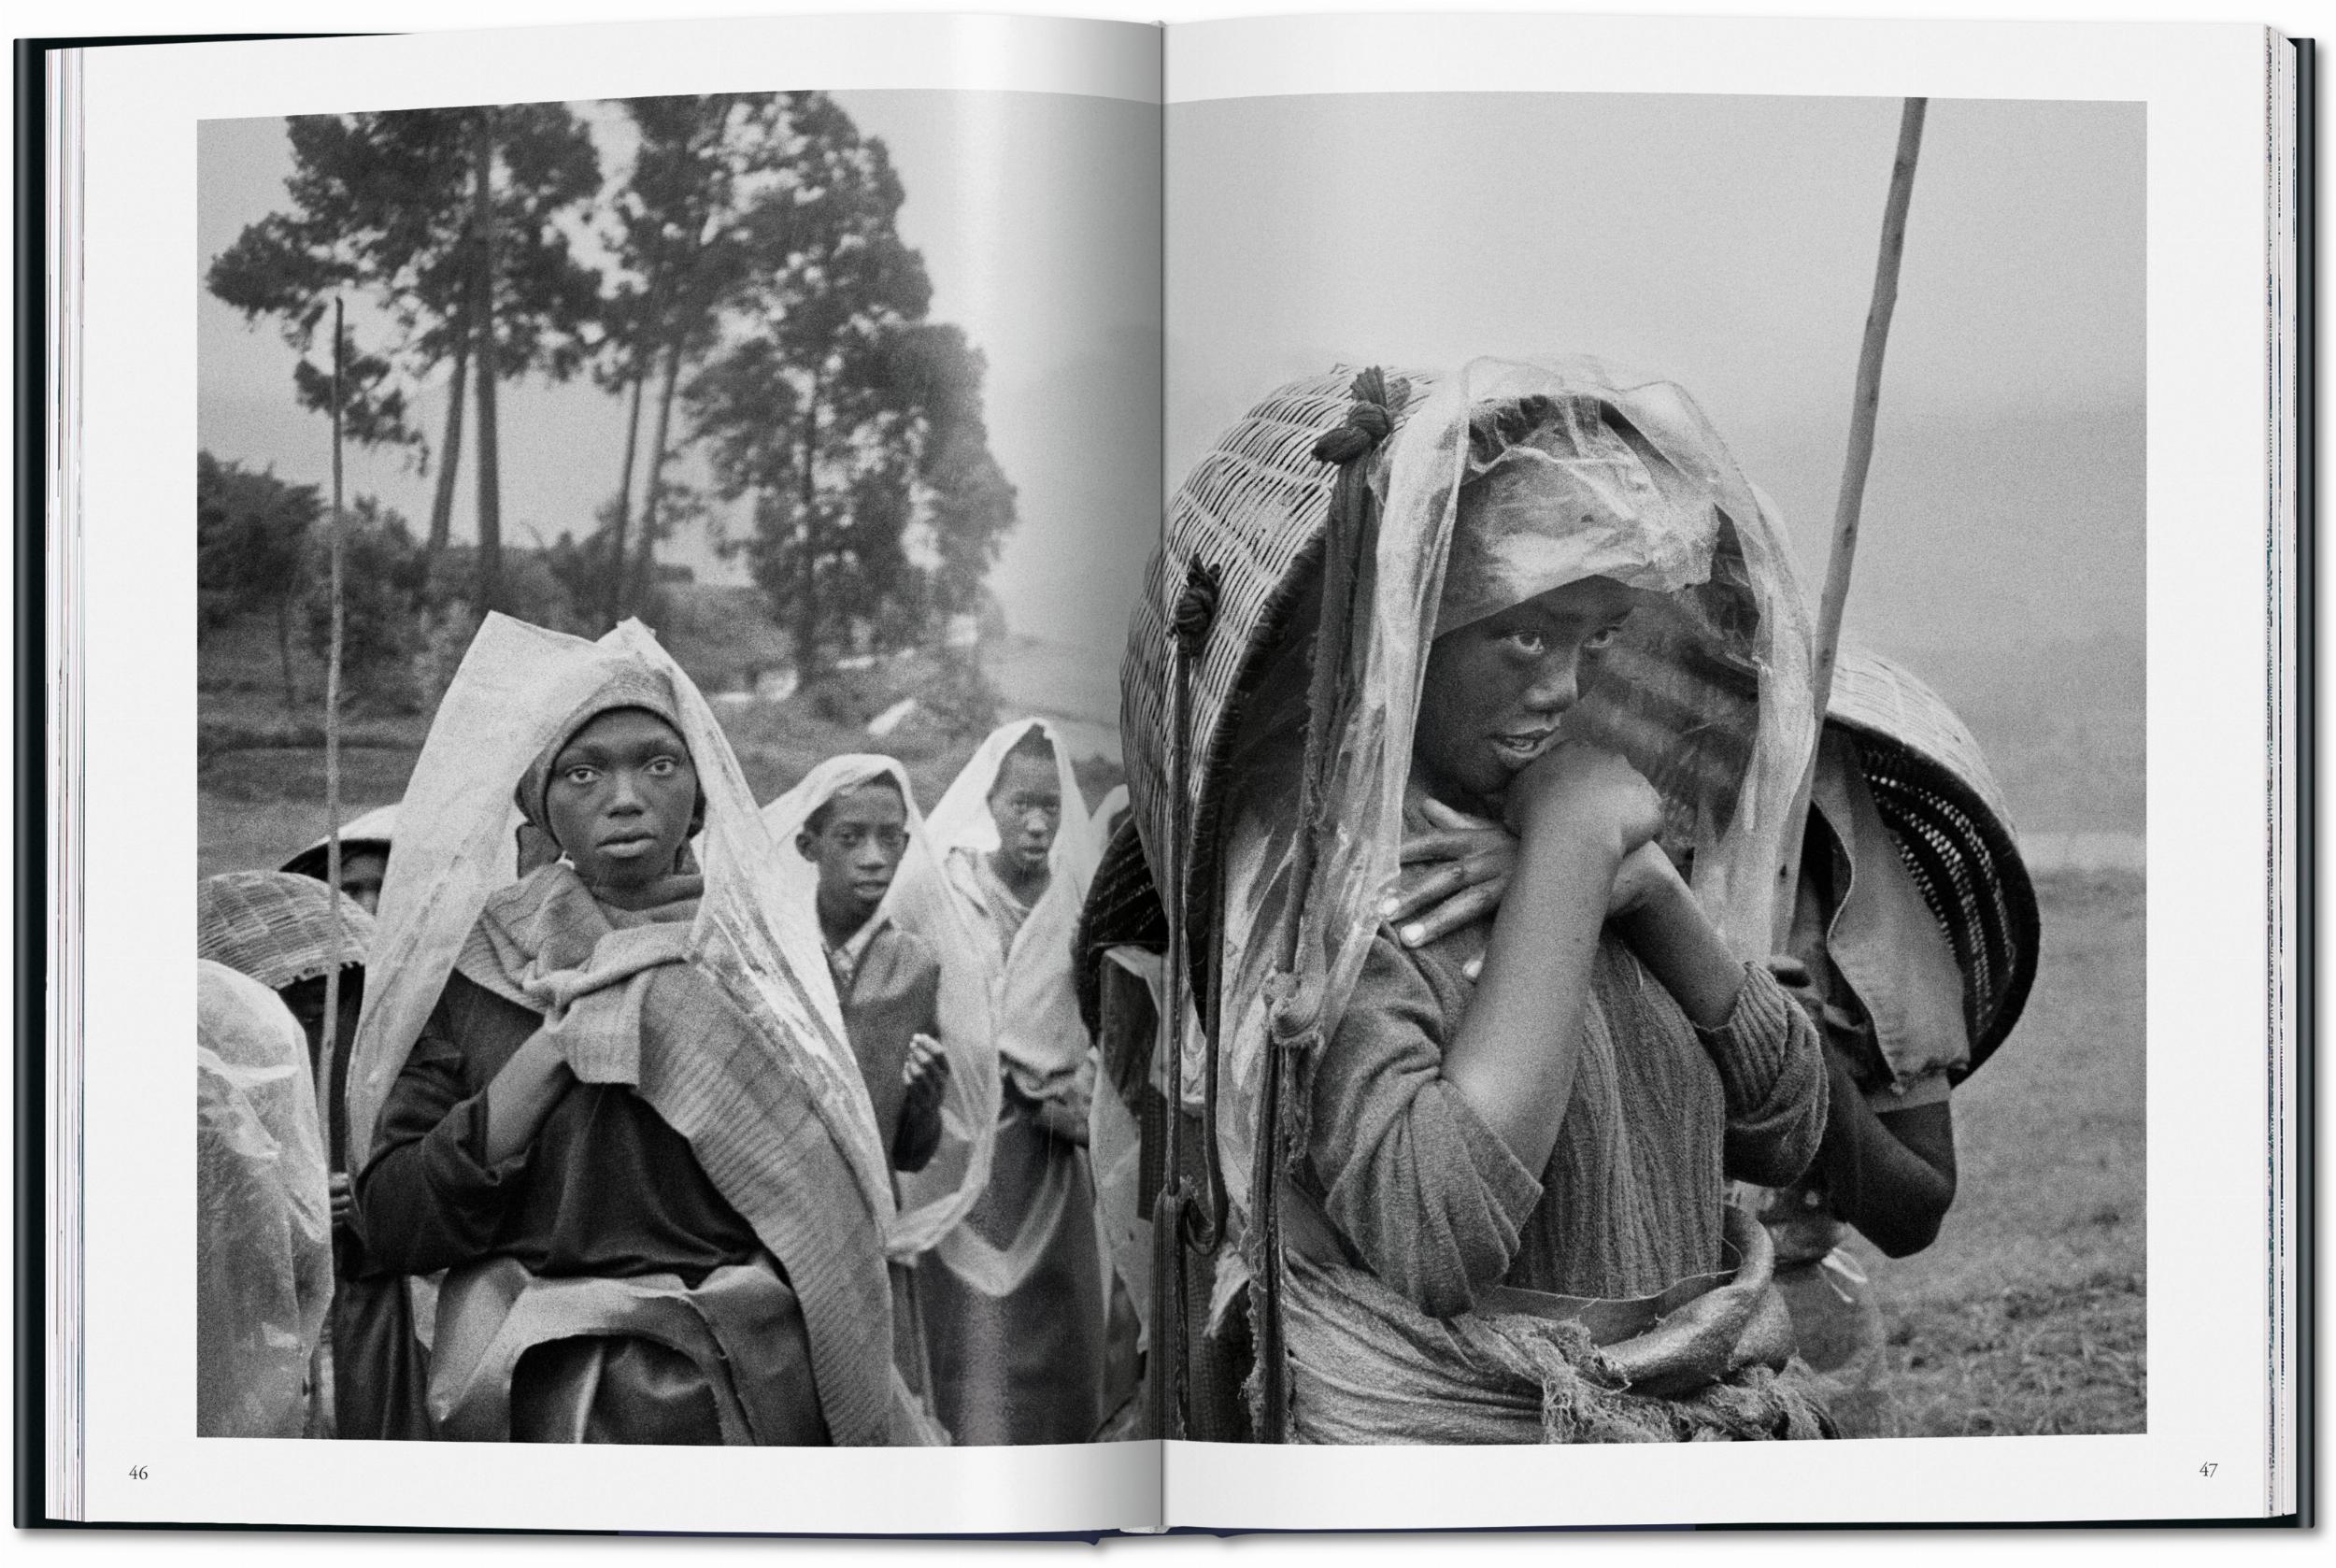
{"points": [[331, 1044], [1853, 488]]}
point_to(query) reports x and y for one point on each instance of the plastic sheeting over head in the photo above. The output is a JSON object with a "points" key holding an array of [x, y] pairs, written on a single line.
{"points": [[517, 691], [1040, 1037], [1559, 488], [263, 1226], [933, 1199], [1707, 692]]}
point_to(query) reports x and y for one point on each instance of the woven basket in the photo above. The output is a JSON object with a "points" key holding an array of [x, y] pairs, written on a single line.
{"points": [[1947, 813], [1253, 510], [277, 927]]}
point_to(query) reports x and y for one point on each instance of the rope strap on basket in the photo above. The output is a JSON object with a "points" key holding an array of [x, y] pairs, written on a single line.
{"points": [[1178, 1221], [1295, 995]]}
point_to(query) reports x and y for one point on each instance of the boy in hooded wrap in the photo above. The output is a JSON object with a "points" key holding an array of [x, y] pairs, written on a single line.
{"points": [[888, 980]]}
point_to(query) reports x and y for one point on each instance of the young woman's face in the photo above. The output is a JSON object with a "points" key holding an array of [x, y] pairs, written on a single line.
{"points": [[622, 795], [1026, 803], [858, 847], [1495, 689]]}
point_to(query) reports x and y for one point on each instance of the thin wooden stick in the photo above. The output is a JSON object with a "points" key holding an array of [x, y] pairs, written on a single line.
{"points": [[326, 1053], [1853, 488]]}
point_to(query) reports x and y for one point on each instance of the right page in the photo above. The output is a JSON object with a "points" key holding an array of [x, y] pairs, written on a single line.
{"points": [[1593, 1039]]}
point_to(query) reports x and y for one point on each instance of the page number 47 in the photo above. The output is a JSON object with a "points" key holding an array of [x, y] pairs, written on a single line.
{"points": [[2207, 1470]]}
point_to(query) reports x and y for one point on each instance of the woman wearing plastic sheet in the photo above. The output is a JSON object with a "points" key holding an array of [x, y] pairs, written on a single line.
{"points": [[1013, 1297], [1480, 1182], [613, 1095], [263, 1251]]}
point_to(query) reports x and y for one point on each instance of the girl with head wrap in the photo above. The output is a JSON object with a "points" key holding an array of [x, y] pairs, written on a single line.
{"points": [[612, 1095], [1014, 1295], [1499, 1199]]}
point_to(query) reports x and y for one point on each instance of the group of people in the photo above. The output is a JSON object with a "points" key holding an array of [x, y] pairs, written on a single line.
{"points": [[1426, 982], [671, 1120]]}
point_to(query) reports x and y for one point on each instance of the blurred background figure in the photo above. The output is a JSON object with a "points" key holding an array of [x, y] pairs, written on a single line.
{"points": [[279, 928], [1914, 944], [1015, 1306], [364, 857], [264, 1268]]}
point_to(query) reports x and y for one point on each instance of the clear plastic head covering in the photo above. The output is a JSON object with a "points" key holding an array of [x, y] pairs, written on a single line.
{"points": [[519, 691], [1582, 471], [1040, 1037], [934, 1199], [263, 1252]]}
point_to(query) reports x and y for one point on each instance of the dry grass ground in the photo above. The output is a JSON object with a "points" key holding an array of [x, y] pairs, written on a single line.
{"points": [[2027, 1316]]}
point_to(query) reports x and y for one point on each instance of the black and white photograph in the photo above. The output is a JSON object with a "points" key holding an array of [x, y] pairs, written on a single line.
{"points": [[1588, 1041], [1270, 775], [776, 803], [712, 536]]}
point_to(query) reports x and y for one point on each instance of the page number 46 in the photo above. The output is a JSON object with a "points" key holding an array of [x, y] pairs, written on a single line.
{"points": [[2208, 1470], [138, 1472]]}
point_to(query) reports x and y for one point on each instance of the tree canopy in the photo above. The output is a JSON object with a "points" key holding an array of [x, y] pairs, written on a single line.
{"points": [[749, 283]]}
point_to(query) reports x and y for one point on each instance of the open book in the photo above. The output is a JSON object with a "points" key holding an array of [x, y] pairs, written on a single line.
{"points": [[1327, 772]]}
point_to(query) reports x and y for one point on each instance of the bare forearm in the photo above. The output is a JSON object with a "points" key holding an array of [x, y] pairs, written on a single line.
{"points": [[1893, 1178], [1685, 951], [521, 1095], [1518, 1044]]}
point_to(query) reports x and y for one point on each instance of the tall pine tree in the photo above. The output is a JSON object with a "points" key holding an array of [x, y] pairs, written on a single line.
{"points": [[453, 221]]}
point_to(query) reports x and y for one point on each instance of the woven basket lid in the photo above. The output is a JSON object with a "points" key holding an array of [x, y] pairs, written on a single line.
{"points": [[372, 831], [1953, 830], [277, 927], [1253, 510]]}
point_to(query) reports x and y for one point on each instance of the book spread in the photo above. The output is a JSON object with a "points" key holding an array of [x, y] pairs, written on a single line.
{"points": [[1134, 778]]}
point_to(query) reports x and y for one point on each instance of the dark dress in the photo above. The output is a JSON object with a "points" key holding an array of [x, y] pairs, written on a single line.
{"points": [[889, 984], [606, 1189]]}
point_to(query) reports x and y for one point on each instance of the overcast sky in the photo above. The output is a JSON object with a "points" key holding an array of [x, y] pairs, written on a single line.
{"points": [[1038, 218], [1728, 242]]}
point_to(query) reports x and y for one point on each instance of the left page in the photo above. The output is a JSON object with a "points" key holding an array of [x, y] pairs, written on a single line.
{"points": [[712, 463]]}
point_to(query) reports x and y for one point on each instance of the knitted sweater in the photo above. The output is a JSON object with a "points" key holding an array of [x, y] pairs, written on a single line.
{"points": [[1429, 1199]]}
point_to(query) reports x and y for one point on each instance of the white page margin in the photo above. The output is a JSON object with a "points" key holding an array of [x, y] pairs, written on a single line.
{"points": [[143, 277]]}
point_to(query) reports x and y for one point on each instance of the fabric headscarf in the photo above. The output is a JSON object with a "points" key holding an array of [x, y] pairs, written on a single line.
{"points": [[934, 1199]]}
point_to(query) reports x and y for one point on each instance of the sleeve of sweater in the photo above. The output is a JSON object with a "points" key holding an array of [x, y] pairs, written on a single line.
{"points": [[428, 1200], [1773, 1071], [1429, 1197]]}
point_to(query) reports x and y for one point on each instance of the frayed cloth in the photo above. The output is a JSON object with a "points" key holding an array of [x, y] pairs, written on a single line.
{"points": [[1368, 1367]]}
